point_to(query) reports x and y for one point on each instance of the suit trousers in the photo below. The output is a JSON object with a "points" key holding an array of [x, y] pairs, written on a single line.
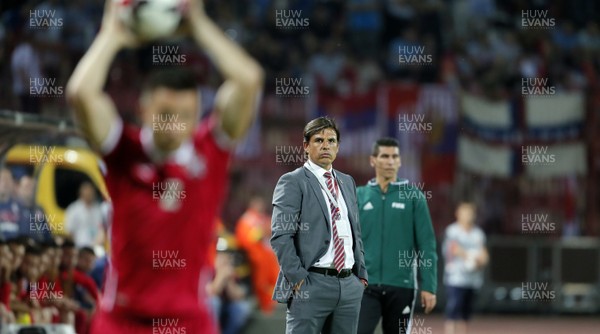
{"points": [[325, 304]]}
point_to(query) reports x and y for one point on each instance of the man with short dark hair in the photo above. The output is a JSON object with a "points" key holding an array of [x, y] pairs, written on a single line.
{"points": [[316, 237], [399, 240], [85, 260], [85, 289]]}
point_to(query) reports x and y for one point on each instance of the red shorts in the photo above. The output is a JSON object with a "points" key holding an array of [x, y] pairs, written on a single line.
{"points": [[105, 323]]}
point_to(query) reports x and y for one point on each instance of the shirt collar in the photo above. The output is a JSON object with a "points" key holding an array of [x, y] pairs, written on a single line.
{"points": [[373, 182], [316, 169]]}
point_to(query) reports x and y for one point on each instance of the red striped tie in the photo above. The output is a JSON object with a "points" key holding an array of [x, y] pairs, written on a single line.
{"points": [[339, 258]]}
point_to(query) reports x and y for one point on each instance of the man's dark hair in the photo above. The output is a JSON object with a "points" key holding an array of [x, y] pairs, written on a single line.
{"points": [[385, 141], [21, 240], [87, 250], [175, 79], [49, 243], [33, 249], [68, 243], [319, 124]]}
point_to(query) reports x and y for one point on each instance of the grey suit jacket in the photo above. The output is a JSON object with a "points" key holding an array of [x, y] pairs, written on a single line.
{"points": [[301, 228]]}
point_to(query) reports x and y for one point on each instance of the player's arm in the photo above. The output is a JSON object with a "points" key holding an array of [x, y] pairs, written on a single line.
{"points": [[94, 110], [238, 96]]}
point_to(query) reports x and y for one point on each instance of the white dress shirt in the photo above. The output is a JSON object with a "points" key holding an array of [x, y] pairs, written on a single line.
{"points": [[343, 225]]}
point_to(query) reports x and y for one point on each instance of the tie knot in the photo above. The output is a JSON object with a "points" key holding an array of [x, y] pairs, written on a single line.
{"points": [[327, 175]]}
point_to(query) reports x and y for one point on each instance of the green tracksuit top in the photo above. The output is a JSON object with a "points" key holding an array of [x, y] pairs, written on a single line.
{"points": [[397, 235]]}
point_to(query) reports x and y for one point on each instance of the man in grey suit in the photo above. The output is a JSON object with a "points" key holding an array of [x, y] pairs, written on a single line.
{"points": [[316, 237]]}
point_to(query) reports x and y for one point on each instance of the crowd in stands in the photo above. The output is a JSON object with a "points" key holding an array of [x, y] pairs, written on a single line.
{"points": [[45, 277], [344, 47], [46, 282]]}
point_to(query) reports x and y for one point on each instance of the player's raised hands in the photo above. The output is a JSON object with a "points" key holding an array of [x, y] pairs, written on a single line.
{"points": [[114, 28], [193, 12]]}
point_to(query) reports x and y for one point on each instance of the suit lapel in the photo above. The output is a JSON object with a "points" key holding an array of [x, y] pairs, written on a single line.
{"points": [[346, 191], [316, 187], [344, 187]]}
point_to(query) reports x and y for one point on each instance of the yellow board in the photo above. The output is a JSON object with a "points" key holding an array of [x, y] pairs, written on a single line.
{"points": [[46, 160]]}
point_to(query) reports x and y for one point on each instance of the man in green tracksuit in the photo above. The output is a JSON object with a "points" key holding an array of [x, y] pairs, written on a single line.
{"points": [[399, 244]]}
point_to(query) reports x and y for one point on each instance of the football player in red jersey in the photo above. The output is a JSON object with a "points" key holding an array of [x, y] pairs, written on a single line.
{"points": [[166, 179]]}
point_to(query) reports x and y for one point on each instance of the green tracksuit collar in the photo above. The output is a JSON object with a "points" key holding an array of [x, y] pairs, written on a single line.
{"points": [[373, 183]]}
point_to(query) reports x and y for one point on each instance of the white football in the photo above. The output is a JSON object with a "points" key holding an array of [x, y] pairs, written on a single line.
{"points": [[151, 19]]}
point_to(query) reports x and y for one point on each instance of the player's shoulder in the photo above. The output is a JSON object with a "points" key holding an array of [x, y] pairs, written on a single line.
{"points": [[122, 136]]}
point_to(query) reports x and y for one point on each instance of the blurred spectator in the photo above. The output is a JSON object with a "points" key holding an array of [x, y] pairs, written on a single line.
{"points": [[32, 218], [327, 64], [368, 74], [9, 208], [364, 25], [253, 231], [80, 29], [77, 284], [27, 73], [505, 46], [85, 263], [83, 219], [398, 15], [50, 35], [6, 270], [565, 37], [321, 22], [590, 37], [229, 296], [405, 43], [17, 249], [50, 286], [12, 258], [26, 304], [85, 260], [98, 273], [466, 256]]}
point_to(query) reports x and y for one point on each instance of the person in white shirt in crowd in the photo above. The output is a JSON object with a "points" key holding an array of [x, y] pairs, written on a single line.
{"points": [[465, 256], [83, 220]]}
